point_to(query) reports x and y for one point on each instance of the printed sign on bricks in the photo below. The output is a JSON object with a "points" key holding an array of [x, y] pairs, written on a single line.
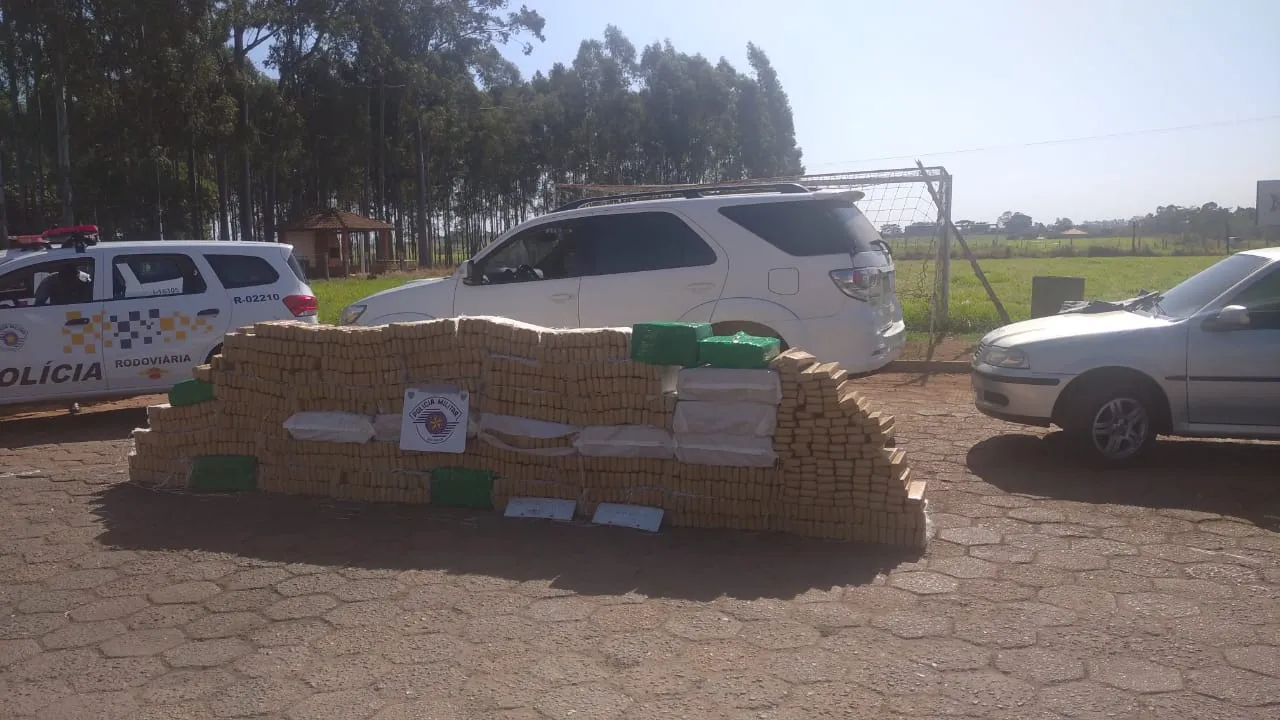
{"points": [[434, 420]]}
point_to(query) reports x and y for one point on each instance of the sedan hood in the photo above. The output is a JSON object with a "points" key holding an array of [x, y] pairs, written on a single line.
{"points": [[1070, 326], [418, 285]]}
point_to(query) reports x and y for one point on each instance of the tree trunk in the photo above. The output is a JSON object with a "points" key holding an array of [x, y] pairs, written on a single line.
{"points": [[424, 237], [224, 212], [67, 215], [242, 134], [4, 208], [193, 191], [382, 145], [269, 211]]}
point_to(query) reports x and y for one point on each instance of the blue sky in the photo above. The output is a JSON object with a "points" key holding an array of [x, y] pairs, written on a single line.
{"points": [[902, 79]]}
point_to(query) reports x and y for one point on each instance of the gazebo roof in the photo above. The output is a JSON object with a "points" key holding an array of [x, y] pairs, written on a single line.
{"points": [[337, 220]]}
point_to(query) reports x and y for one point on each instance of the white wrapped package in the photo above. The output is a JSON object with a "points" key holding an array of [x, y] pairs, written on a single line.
{"points": [[729, 385], [625, 441], [524, 427], [336, 427], [727, 450], [726, 418], [386, 428]]}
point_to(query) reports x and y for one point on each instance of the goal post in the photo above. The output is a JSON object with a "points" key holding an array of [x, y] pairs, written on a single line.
{"points": [[897, 201]]}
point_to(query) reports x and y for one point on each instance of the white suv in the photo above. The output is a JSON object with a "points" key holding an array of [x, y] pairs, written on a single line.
{"points": [[778, 260], [90, 320]]}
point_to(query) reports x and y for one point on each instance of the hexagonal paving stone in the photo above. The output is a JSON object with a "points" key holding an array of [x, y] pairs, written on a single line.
{"points": [[207, 653], [964, 567], [1039, 665], [970, 535], [81, 634], [138, 643], [703, 625], [1135, 675], [912, 624], [188, 592], [1241, 687], [779, 634], [300, 607], [924, 583], [1264, 659]]}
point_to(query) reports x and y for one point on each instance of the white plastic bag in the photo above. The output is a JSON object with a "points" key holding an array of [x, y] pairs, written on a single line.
{"points": [[726, 418], [727, 450], [336, 427], [386, 428], [625, 441], [524, 427], [729, 385]]}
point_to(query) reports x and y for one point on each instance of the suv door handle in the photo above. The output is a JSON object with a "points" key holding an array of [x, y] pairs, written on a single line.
{"points": [[701, 286], [562, 297], [208, 312], [77, 321]]}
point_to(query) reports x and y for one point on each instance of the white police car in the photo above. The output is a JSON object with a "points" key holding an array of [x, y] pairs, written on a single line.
{"points": [[82, 320]]}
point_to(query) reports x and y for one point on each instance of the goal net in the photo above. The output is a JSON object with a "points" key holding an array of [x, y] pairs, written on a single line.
{"points": [[897, 202]]}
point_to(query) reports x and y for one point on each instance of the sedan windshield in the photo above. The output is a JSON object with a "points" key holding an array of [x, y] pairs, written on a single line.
{"points": [[1189, 296]]}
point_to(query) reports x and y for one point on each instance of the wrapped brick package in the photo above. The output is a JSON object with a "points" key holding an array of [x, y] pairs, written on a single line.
{"points": [[760, 441]]}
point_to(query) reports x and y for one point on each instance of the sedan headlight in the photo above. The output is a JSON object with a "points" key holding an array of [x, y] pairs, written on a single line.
{"points": [[351, 314], [1012, 358]]}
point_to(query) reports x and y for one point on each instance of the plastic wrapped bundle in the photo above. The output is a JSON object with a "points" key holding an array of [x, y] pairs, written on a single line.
{"points": [[668, 343], [740, 351]]}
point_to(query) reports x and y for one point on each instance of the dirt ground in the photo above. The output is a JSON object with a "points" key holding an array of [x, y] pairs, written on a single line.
{"points": [[1049, 591]]}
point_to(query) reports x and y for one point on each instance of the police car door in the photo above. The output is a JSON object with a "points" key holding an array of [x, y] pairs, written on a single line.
{"points": [[51, 351], [158, 319]]}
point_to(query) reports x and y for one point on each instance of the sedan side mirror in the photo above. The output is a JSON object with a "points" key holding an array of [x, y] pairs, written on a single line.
{"points": [[467, 269], [1231, 317]]}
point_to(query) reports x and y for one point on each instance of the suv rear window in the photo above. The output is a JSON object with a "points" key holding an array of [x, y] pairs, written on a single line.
{"points": [[296, 267], [807, 228], [242, 271]]}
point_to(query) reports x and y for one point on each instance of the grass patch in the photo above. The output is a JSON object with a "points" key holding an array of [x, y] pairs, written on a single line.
{"points": [[1106, 278], [971, 312], [340, 292]]}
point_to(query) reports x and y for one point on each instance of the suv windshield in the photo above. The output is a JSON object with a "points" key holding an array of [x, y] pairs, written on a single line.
{"points": [[1189, 296]]}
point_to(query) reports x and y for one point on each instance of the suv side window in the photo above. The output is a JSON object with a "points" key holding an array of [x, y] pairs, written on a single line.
{"points": [[545, 252], [57, 282], [807, 228], [242, 271], [154, 275], [643, 241], [1262, 299]]}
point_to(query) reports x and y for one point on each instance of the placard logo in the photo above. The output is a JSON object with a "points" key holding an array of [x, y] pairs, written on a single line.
{"points": [[436, 418], [12, 337]]}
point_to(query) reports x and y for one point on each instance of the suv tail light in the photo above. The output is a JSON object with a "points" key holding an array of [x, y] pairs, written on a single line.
{"points": [[302, 305], [858, 283]]}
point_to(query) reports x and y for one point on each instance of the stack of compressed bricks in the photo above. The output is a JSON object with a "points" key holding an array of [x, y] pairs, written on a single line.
{"points": [[834, 479], [840, 478]]}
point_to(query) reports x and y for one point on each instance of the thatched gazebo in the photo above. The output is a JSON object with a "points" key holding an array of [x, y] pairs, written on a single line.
{"points": [[336, 243]]}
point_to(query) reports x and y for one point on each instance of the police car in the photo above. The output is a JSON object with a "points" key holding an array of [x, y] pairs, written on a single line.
{"points": [[82, 320]]}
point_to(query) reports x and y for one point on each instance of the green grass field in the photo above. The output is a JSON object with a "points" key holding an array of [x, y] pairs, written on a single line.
{"points": [[971, 312], [1105, 278]]}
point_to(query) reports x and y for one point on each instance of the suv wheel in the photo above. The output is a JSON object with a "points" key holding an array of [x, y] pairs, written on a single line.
{"points": [[1115, 426]]}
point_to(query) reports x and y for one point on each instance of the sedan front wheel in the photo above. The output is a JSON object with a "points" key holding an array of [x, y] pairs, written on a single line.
{"points": [[1114, 426]]}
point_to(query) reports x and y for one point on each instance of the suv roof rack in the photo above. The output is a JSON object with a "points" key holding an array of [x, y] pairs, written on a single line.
{"points": [[689, 193]]}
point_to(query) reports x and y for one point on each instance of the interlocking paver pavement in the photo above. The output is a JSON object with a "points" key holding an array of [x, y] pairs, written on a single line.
{"points": [[1049, 591]]}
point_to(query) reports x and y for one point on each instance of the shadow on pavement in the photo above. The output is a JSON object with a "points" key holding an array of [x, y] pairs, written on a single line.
{"points": [[62, 427], [588, 560], [1229, 478]]}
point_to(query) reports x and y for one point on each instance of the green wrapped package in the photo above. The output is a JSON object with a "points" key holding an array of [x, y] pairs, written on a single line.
{"points": [[668, 343], [224, 473], [190, 392], [459, 487], [740, 351]]}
